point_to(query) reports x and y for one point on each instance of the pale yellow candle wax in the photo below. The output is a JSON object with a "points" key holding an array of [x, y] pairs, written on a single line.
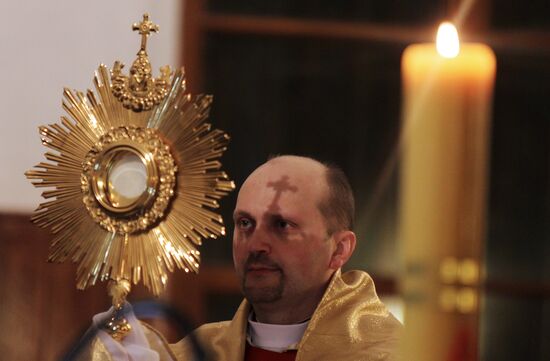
{"points": [[446, 118]]}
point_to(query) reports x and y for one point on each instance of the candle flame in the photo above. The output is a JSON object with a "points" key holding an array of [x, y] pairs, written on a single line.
{"points": [[447, 42]]}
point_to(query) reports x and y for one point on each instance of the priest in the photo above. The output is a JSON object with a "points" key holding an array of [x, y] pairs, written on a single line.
{"points": [[293, 233]]}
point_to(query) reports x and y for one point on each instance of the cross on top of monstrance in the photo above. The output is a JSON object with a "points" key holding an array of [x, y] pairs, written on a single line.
{"points": [[145, 27], [140, 91]]}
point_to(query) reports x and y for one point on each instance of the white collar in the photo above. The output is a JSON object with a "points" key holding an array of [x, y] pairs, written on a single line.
{"points": [[278, 338]]}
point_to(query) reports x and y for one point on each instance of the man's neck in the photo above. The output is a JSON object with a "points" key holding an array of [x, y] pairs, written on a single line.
{"points": [[281, 318], [283, 312]]}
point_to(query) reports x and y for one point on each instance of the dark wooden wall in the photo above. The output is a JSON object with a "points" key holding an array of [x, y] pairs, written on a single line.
{"points": [[41, 312]]}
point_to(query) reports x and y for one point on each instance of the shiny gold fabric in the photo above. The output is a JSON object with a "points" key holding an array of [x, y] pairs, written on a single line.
{"points": [[350, 323]]}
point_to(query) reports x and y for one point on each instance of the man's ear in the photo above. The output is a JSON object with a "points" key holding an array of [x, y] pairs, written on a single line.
{"points": [[344, 247]]}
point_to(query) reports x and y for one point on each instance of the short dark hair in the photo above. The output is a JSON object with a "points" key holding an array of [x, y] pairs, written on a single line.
{"points": [[338, 207]]}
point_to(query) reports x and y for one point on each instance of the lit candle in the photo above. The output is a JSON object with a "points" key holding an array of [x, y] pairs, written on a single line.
{"points": [[447, 98]]}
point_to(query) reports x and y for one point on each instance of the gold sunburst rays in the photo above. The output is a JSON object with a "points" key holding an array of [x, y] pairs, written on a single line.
{"points": [[145, 237]]}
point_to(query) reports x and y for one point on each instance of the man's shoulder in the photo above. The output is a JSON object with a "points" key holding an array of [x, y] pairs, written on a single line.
{"points": [[351, 315], [216, 339], [355, 276], [211, 328], [202, 337]]}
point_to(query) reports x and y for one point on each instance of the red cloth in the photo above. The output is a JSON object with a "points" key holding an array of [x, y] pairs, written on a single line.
{"points": [[257, 354]]}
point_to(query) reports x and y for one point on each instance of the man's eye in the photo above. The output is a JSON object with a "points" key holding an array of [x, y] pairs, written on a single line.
{"points": [[282, 224], [244, 223]]}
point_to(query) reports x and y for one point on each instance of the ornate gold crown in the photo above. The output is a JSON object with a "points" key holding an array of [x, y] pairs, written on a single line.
{"points": [[140, 91], [135, 174]]}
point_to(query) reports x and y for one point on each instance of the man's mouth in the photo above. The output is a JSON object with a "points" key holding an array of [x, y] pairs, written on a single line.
{"points": [[259, 264], [261, 269]]}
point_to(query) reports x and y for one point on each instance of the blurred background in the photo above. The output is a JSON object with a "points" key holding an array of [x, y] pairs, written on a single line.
{"points": [[316, 78]]}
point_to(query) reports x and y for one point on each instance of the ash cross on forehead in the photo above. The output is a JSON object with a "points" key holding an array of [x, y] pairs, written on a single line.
{"points": [[280, 186], [145, 28]]}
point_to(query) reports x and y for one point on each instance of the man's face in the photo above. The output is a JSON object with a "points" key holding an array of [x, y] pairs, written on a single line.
{"points": [[281, 248]]}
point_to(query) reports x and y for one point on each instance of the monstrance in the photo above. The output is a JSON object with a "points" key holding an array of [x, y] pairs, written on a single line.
{"points": [[135, 173]]}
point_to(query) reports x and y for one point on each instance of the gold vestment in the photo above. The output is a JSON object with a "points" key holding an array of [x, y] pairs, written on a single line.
{"points": [[350, 323]]}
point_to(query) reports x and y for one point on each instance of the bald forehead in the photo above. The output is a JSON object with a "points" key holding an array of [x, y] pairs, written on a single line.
{"points": [[300, 166], [303, 173], [292, 167]]}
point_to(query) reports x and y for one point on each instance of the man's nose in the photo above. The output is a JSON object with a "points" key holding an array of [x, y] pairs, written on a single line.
{"points": [[259, 241]]}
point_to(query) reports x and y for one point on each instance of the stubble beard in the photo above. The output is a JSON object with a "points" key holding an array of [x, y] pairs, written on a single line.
{"points": [[262, 288], [268, 293]]}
